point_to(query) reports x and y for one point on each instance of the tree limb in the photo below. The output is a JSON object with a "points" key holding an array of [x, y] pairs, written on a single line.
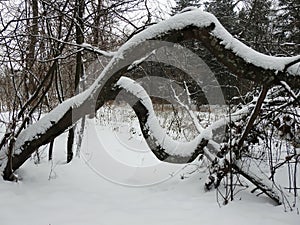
{"points": [[192, 25]]}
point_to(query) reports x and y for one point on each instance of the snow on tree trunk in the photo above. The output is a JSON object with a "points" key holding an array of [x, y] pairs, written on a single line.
{"points": [[239, 59]]}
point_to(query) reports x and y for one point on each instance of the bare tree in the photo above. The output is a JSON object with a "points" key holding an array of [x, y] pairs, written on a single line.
{"points": [[42, 41]]}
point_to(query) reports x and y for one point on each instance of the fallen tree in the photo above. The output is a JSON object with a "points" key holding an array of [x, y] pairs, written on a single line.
{"points": [[239, 59], [168, 150]]}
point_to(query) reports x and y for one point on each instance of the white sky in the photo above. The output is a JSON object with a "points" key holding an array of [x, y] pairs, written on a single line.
{"points": [[160, 9]]}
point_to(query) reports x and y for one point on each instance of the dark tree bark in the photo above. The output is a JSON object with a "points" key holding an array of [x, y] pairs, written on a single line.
{"points": [[50, 152], [30, 57], [79, 70], [105, 89]]}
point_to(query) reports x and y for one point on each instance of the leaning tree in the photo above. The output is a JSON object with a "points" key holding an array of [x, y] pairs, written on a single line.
{"points": [[244, 62]]}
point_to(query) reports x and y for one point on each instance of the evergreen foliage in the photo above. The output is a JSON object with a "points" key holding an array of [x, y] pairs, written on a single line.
{"points": [[181, 4]]}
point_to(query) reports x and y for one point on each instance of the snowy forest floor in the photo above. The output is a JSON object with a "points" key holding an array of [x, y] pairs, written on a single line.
{"points": [[116, 181]]}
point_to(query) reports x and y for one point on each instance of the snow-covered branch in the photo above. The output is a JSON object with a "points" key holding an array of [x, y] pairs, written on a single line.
{"points": [[239, 58], [169, 150], [83, 46], [162, 145]]}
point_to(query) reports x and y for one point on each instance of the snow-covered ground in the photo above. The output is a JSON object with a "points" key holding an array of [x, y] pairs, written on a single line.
{"points": [[118, 181]]}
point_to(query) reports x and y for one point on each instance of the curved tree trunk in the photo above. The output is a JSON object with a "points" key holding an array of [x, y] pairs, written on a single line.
{"points": [[213, 36]]}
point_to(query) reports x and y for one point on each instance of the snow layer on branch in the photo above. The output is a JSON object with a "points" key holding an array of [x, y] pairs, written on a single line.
{"points": [[51, 118], [202, 19], [171, 146], [97, 50]]}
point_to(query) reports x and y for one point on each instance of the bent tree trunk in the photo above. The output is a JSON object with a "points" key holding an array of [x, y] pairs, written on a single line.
{"points": [[165, 148], [238, 58]]}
